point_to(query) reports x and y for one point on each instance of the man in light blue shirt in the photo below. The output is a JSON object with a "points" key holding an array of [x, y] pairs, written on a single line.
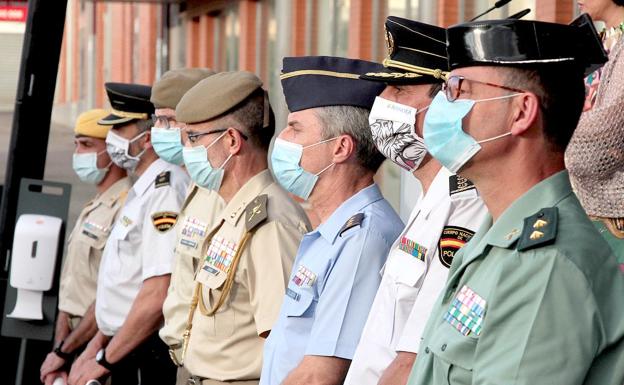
{"points": [[327, 157]]}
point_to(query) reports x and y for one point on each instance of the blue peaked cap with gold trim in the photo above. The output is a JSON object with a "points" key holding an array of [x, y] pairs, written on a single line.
{"points": [[129, 102], [321, 81]]}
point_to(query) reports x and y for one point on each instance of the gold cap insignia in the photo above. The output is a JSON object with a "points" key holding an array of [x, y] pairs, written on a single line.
{"points": [[389, 41]]}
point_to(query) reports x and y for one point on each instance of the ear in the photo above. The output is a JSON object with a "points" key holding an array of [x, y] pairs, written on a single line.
{"points": [[147, 140], [234, 140], [344, 148], [526, 113]]}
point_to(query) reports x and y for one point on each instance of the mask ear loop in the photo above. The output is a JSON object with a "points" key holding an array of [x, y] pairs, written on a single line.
{"points": [[107, 167]]}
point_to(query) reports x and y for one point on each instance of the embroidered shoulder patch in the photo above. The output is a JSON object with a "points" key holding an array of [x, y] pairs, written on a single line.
{"points": [[164, 221], [452, 239], [355, 220], [459, 184], [163, 179]]}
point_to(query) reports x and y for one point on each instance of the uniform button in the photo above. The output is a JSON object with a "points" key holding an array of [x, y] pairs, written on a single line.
{"points": [[427, 350], [443, 348]]}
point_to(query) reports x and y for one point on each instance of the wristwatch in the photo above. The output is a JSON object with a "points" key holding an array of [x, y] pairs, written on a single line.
{"points": [[62, 354], [100, 358]]}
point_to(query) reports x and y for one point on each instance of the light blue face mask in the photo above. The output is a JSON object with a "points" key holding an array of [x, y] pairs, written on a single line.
{"points": [[167, 143], [444, 136], [199, 167], [85, 166], [285, 161]]}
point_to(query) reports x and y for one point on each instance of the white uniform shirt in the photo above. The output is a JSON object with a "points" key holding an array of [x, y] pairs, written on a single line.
{"points": [[415, 273], [136, 249]]}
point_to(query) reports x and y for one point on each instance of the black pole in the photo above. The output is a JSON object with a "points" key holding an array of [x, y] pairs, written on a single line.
{"points": [[27, 151]]}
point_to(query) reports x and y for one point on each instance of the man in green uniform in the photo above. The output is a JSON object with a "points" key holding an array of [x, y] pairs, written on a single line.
{"points": [[536, 296]]}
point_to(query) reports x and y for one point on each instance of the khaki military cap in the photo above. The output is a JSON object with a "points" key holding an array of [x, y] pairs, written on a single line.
{"points": [[87, 124], [167, 92], [216, 95]]}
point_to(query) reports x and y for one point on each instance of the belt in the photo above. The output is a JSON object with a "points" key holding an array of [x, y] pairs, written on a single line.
{"points": [[196, 380]]}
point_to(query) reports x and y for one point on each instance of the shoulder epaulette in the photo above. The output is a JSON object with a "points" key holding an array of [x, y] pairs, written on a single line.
{"points": [[163, 179], [539, 229], [459, 184], [355, 220], [256, 212]]}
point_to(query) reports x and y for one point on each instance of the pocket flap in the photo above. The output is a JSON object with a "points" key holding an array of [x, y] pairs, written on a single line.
{"points": [[456, 349], [297, 302], [211, 277], [404, 268]]}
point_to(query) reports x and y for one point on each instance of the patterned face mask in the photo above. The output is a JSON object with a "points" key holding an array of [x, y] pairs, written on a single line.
{"points": [[392, 127], [118, 147]]}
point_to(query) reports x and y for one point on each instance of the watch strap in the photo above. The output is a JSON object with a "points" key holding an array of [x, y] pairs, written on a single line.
{"points": [[64, 355]]}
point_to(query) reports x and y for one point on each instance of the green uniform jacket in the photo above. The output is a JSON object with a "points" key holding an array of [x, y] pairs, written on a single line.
{"points": [[529, 300]]}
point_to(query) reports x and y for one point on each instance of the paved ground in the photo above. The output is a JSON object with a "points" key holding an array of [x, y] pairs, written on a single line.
{"points": [[58, 162]]}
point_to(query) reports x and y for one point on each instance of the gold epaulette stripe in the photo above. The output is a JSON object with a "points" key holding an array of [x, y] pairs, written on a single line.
{"points": [[319, 72]]}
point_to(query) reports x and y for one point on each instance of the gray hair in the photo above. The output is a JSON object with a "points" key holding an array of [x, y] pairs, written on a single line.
{"points": [[352, 121]]}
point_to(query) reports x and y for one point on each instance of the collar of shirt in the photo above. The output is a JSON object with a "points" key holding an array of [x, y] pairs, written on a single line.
{"points": [[507, 229], [246, 194], [438, 192], [149, 176], [116, 190], [331, 227]]}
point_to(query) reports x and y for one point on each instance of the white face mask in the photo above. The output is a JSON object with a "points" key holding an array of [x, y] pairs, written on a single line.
{"points": [[392, 127], [118, 147]]}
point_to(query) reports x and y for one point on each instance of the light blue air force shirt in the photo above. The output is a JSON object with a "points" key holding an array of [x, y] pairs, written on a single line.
{"points": [[332, 285]]}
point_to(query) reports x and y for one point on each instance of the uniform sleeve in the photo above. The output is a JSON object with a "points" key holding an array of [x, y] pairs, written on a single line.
{"points": [[348, 295], [535, 295], [467, 213], [271, 255], [157, 247]]}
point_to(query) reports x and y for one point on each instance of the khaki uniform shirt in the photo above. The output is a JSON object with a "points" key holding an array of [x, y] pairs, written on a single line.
{"points": [[198, 216], [85, 246], [227, 346], [534, 298]]}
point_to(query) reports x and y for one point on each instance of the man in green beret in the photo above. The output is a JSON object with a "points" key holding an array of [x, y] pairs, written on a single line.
{"points": [[198, 211], [249, 250], [85, 244]]}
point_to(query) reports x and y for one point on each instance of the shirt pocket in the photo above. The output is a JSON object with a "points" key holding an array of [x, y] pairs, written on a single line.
{"points": [[299, 307], [456, 353], [222, 323]]}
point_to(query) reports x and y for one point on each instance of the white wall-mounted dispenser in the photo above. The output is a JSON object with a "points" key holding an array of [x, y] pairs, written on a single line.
{"points": [[33, 257]]}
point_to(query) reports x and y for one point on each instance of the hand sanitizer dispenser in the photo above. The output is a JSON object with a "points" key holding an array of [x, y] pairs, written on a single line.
{"points": [[35, 245]]}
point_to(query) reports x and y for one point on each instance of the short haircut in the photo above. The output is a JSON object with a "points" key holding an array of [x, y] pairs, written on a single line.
{"points": [[248, 118], [142, 124], [561, 93], [619, 2], [352, 121]]}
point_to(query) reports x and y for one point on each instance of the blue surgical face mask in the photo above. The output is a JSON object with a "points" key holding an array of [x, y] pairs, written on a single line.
{"points": [[285, 161], [199, 167], [444, 136], [85, 166], [167, 143]]}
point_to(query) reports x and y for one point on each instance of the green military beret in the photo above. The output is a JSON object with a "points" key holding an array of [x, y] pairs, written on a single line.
{"points": [[216, 95], [167, 92]]}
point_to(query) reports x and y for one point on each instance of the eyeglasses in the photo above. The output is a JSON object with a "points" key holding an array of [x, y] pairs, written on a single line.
{"points": [[193, 137], [452, 87], [160, 121]]}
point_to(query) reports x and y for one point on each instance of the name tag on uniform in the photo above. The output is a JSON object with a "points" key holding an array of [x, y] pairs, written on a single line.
{"points": [[292, 294], [304, 277], [220, 253], [466, 312], [412, 248], [125, 221]]}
